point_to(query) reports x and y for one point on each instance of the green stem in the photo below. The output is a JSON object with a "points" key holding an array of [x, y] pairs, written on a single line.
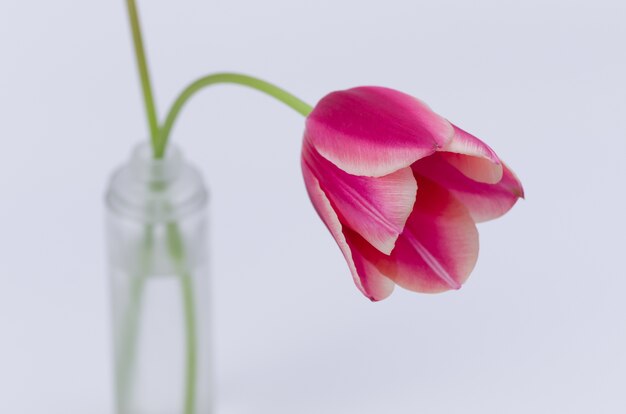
{"points": [[191, 340], [177, 251], [255, 83], [130, 329], [142, 65]]}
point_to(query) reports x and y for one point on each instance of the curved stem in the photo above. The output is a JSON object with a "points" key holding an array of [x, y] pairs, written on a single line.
{"points": [[144, 74], [254, 83]]}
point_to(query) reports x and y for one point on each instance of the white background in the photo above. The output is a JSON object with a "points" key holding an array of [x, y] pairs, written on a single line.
{"points": [[538, 328]]}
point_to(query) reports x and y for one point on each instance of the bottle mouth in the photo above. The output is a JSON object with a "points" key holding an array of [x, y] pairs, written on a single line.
{"points": [[149, 169], [156, 189]]}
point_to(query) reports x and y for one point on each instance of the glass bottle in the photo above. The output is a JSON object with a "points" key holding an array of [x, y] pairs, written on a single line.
{"points": [[156, 229]]}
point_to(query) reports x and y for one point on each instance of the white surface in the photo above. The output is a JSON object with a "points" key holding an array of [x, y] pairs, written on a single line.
{"points": [[539, 327]]}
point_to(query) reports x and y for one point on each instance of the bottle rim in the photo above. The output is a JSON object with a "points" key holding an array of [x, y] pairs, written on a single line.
{"points": [[155, 190]]}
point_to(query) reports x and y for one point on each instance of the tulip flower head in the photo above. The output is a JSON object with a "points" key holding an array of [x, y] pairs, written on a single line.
{"points": [[400, 189]]}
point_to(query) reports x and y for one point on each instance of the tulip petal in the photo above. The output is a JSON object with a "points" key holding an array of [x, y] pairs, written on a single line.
{"points": [[374, 131], [368, 279], [473, 157], [484, 201], [375, 207], [439, 246]]}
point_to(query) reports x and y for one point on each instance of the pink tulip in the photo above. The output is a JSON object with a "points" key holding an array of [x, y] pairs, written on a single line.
{"points": [[400, 189]]}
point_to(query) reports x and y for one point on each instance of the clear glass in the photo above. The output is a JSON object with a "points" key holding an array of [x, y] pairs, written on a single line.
{"points": [[156, 229]]}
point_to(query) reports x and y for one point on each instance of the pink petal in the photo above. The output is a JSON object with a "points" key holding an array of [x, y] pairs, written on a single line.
{"points": [[370, 281], [473, 157], [374, 131], [439, 246], [484, 201], [375, 207]]}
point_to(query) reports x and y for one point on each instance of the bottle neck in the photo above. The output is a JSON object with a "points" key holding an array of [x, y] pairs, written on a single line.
{"points": [[156, 190], [149, 169]]}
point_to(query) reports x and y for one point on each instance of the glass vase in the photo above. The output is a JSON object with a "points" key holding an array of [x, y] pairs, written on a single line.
{"points": [[156, 229]]}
